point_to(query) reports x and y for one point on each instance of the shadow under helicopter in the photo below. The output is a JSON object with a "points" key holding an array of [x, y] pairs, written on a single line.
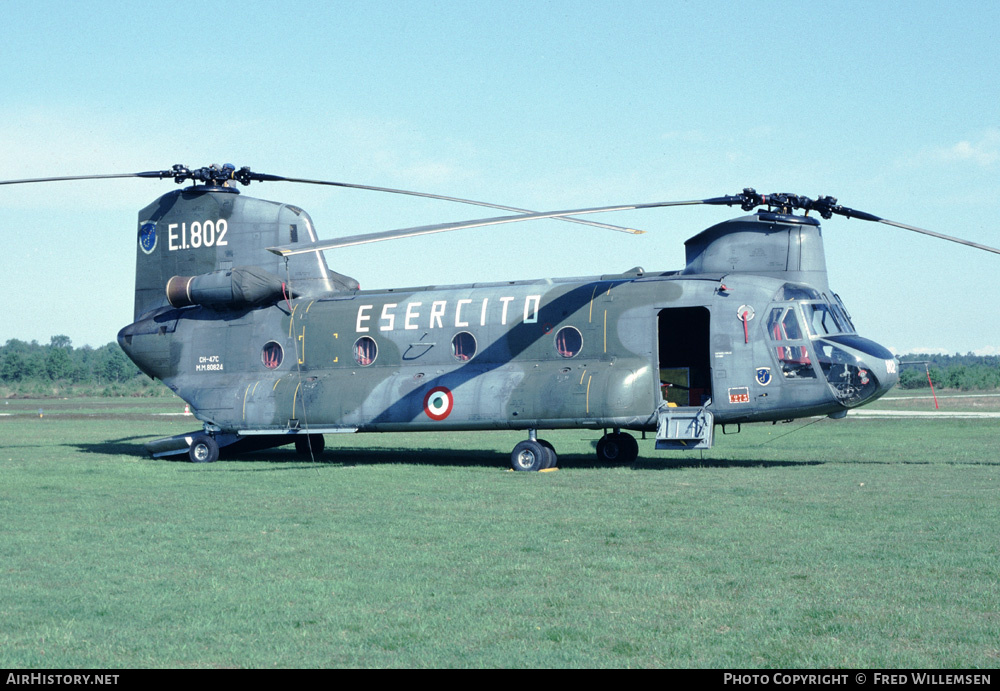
{"points": [[124, 446], [344, 457], [288, 459]]}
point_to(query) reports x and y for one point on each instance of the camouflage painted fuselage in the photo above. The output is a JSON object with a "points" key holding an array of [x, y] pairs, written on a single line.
{"points": [[551, 353], [518, 377]]}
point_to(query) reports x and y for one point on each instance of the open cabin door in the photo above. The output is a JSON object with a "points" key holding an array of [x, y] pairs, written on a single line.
{"points": [[684, 422], [684, 355]]}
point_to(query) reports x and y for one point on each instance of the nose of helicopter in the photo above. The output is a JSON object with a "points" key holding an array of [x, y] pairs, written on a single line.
{"points": [[886, 371], [858, 370]]}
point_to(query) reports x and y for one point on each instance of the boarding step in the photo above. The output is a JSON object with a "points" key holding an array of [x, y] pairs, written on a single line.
{"points": [[684, 428]]}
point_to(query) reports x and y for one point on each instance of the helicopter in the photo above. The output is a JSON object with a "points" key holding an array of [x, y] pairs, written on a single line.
{"points": [[238, 313]]}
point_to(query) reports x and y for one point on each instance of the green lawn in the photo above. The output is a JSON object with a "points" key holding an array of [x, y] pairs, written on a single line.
{"points": [[855, 543]]}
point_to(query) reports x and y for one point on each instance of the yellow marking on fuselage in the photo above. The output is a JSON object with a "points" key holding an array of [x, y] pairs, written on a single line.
{"points": [[251, 392], [588, 394], [582, 375], [294, 398], [605, 331], [291, 320], [302, 339], [590, 317], [275, 384], [309, 306], [245, 402]]}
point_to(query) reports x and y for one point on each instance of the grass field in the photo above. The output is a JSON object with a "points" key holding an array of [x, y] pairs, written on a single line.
{"points": [[867, 543]]}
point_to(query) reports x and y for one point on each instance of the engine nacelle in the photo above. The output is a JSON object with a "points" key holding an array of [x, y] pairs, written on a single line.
{"points": [[244, 286]]}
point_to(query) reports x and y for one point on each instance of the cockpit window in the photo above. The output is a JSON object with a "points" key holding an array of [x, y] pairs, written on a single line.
{"points": [[845, 317], [791, 349], [821, 318], [793, 291], [782, 325]]}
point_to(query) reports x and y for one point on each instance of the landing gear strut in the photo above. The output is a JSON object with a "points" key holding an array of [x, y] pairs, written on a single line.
{"points": [[617, 447], [533, 454]]}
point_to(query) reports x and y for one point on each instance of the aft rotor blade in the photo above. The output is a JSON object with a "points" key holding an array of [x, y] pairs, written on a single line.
{"points": [[180, 174], [372, 188], [290, 250], [147, 174]]}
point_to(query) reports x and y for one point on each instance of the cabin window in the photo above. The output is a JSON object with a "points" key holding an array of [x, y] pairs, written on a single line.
{"points": [[463, 346], [569, 341], [365, 351], [272, 354]]}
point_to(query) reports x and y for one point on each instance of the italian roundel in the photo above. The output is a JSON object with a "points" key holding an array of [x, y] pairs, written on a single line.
{"points": [[438, 403]]}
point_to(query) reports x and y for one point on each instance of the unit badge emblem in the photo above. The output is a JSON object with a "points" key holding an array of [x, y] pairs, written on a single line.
{"points": [[763, 376], [147, 236]]}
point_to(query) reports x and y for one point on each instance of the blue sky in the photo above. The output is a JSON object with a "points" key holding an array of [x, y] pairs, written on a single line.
{"points": [[894, 108]]}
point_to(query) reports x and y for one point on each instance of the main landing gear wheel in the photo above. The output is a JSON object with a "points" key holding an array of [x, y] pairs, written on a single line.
{"points": [[528, 455], [618, 447], [204, 449], [550, 458], [533, 454], [304, 442]]}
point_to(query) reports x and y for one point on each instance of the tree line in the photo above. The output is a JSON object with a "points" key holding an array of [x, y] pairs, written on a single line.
{"points": [[57, 368], [966, 372]]}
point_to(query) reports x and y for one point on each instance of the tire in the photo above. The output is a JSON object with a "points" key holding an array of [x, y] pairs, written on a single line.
{"points": [[551, 458], [528, 456], [629, 448], [607, 449], [204, 449], [617, 448], [304, 442]]}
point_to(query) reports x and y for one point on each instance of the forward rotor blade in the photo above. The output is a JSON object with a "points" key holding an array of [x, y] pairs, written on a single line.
{"points": [[278, 178], [290, 250], [940, 236], [824, 206]]}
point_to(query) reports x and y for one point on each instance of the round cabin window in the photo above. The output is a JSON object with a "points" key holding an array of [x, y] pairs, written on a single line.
{"points": [[272, 354], [569, 341], [463, 346], [365, 351]]}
